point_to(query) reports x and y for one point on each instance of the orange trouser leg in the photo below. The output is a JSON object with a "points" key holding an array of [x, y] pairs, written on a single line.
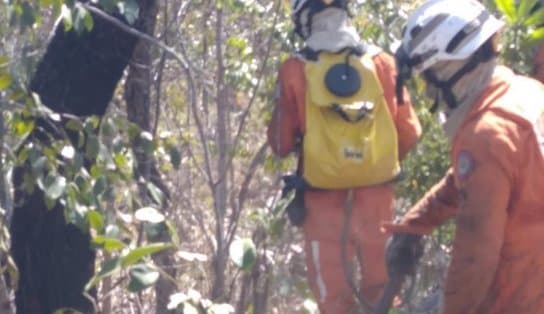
{"points": [[327, 277], [323, 231]]}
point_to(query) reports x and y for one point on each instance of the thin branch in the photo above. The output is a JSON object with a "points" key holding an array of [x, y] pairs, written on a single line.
{"points": [[242, 195]]}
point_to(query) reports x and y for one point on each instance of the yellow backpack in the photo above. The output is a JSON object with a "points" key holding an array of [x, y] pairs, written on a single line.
{"points": [[350, 139]]}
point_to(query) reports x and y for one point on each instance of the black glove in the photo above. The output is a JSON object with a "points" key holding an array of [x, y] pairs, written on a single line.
{"points": [[402, 254], [295, 209]]}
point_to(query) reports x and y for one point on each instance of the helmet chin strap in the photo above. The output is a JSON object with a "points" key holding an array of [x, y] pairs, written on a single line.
{"points": [[445, 88]]}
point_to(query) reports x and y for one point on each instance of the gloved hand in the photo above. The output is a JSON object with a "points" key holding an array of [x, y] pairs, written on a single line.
{"points": [[296, 210], [404, 228], [402, 254]]}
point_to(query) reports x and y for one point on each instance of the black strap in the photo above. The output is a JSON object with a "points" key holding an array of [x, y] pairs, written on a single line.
{"points": [[313, 55], [483, 54]]}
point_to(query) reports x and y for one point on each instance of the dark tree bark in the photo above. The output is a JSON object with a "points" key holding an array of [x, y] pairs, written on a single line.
{"points": [[138, 99], [77, 75]]}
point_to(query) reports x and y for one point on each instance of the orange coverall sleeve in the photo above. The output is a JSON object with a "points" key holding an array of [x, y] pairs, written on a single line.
{"points": [[433, 209], [405, 117], [480, 227], [286, 125]]}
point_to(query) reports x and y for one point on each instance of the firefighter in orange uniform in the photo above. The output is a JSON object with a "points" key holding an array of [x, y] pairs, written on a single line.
{"points": [[494, 188], [337, 100]]}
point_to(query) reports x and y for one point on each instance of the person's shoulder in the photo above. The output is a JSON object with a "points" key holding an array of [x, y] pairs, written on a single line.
{"points": [[490, 133], [382, 59], [385, 65], [292, 67]]}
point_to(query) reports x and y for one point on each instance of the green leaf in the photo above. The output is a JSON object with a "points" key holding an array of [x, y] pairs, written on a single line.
{"points": [[80, 14], [93, 147], [107, 5], [50, 203], [39, 163], [88, 22], [100, 185], [155, 192], [524, 7], [537, 35], [155, 231], [23, 127], [508, 8], [108, 243], [55, 185], [243, 253], [142, 276], [175, 157], [138, 253], [146, 142], [5, 81], [173, 232], [112, 231], [66, 15], [129, 9], [28, 17], [536, 18], [108, 268], [96, 220]]}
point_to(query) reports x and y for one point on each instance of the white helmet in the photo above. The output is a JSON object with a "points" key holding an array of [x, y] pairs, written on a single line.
{"points": [[303, 11], [441, 30]]}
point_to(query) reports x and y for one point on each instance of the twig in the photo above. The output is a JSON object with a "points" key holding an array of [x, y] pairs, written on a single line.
{"points": [[257, 160]]}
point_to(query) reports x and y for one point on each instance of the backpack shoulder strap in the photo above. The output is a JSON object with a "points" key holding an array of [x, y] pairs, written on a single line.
{"points": [[310, 54]]}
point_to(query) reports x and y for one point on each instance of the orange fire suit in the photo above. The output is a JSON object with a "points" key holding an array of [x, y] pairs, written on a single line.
{"points": [[324, 222], [495, 191]]}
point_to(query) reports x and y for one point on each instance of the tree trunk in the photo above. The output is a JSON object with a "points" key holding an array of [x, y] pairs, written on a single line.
{"points": [[77, 75], [220, 188], [138, 99], [5, 204]]}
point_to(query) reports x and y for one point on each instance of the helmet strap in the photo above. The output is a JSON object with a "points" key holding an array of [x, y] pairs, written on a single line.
{"points": [[482, 55]]}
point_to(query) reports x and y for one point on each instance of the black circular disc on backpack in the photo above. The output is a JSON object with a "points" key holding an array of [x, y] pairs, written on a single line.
{"points": [[343, 80]]}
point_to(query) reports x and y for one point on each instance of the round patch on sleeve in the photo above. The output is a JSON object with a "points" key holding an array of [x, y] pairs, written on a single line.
{"points": [[465, 164]]}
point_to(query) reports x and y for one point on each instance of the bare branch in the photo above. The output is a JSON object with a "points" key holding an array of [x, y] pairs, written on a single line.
{"points": [[242, 195]]}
